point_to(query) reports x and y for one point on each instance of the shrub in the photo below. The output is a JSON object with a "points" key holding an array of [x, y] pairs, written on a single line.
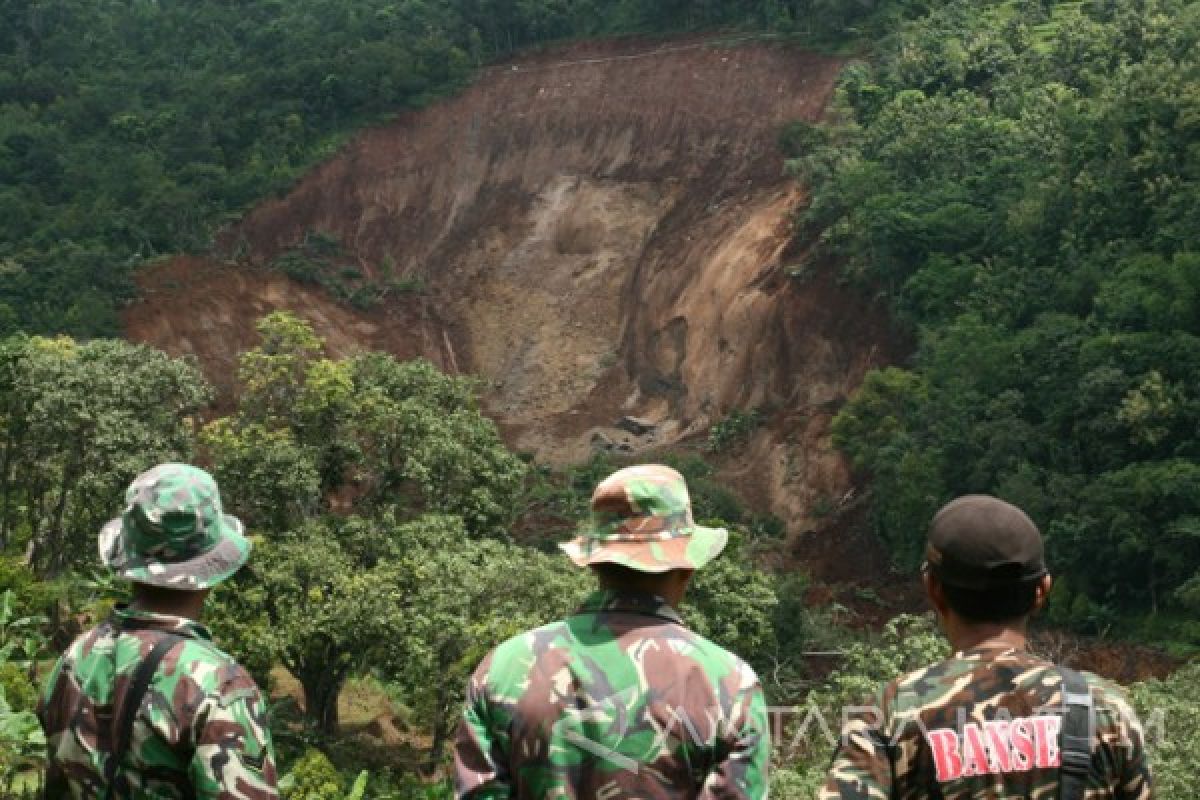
{"points": [[735, 428], [313, 778]]}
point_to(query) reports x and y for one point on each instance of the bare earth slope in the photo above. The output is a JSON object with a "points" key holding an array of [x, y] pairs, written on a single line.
{"points": [[601, 232]]}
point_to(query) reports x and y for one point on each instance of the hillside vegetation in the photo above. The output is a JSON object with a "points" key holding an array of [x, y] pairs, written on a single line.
{"points": [[1018, 180], [129, 130], [1024, 187]]}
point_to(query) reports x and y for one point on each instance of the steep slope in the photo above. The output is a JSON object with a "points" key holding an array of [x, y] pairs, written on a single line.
{"points": [[600, 232]]}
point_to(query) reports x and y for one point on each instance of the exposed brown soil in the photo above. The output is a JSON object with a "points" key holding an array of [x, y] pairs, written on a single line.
{"points": [[1119, 661], [601, 230], [208, 309]]}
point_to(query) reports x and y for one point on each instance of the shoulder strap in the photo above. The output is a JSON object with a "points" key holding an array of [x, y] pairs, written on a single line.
{"points": [[132, 702], [1076, 744]]}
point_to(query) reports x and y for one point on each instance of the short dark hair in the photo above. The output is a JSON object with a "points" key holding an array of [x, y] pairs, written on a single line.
{"points": [[1001, 604]]}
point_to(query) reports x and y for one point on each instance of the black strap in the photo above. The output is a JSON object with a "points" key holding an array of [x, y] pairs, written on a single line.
{"points": [[1076, 744], [132, 703]]}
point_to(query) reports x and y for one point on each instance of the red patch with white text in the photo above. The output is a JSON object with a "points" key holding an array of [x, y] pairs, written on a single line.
{"points": [[996, 747]]}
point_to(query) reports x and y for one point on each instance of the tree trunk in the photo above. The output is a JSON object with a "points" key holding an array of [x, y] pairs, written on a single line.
{"points": [[55, 533], [321, 689], [6, 503], [441, 730], [1153, 588]]}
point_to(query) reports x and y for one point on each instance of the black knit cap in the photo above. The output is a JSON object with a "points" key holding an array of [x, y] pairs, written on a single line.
{"points": [[980, 542]]}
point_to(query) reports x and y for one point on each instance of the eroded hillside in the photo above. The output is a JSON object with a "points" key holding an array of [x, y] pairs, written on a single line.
{"points": [[600, 232]]}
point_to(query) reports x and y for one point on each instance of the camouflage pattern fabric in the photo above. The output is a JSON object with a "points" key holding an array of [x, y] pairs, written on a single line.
{"points": [[984, 724], [201, 731], [642, 519], [173, 532], [618, 701]]}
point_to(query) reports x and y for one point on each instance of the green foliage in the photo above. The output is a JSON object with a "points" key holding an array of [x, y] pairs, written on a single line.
{"points": [[22, 639], [411, 787], [17, 689], [468, 596], [323, 612], [30, 596], [1020, 182], [1170, 712], [133, 130], [234, 612], [906, 643], [314, 778], [309, 430], [22, 745], [419, 601], [732, 602], [734, 428], [22, 742], [79, 421], [796, 781], [278, 478], [315, 261]]}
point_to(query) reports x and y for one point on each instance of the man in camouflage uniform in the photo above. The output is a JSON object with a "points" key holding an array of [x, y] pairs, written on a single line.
{"points": [[619, 700], [200, 730], [988, 721]]}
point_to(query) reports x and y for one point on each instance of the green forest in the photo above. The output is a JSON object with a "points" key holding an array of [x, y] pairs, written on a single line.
{"points": [[1018, 181]]}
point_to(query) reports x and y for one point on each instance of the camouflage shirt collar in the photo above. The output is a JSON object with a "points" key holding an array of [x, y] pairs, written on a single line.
{"points": [[631, 603], [990, 652], [131, 619]]}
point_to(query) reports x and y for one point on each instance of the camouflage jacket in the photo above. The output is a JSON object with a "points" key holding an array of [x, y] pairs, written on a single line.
{"points": [[983, 724], [201, 731], [619, 700]]}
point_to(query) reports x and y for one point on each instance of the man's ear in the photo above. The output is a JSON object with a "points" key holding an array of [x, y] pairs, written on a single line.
{"points": [[934, 593], [1042, 592], [685, 577]]}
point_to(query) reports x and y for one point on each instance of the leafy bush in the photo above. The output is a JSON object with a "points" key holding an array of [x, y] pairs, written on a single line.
{"points": [[732, 602], [22, 746], [314, 778], [733, 429], [906, 643], [1170, 711], [18, 691]]}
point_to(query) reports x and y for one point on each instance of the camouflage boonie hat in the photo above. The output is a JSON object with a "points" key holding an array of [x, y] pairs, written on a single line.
{"points": [[173, 533], [642, 519]]}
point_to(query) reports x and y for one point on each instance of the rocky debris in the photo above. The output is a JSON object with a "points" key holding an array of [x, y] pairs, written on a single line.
{"points": [[637, 425], [618, 440]]}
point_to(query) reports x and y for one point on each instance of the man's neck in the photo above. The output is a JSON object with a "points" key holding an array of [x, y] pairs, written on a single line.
{"points": [[965, 637], [189, 605], [670, 586]]}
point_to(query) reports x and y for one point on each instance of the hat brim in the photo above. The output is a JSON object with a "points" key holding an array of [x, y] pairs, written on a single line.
{"points": [[202, 572], [692, 551]]}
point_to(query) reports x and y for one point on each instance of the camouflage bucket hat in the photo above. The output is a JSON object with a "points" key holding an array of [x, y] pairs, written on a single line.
{"points": [[642, 519], [173, 532]]}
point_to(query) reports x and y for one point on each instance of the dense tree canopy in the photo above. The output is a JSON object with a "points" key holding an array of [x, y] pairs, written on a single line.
{"points": [[77, 422], [311, 433], [1022, 181], [129, 130]]}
